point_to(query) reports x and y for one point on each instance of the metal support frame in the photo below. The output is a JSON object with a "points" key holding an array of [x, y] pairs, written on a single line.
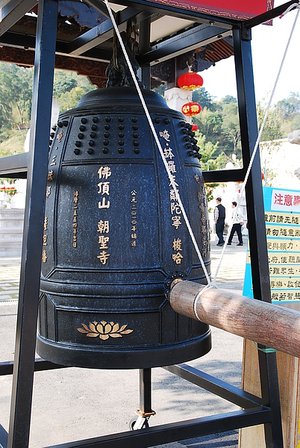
{"points": [[257, 235], [145, 410], [215, 386], [144, 44], [13, 11], [254, 410], [185, 42], [102, 32], [175, 431], [33, 226], [145, 392]]}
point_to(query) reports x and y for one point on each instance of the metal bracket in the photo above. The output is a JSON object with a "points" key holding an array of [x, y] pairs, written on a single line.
{"points": [[266, 349]]}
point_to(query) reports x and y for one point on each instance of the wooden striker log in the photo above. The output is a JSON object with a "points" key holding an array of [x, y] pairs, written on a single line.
{"points": [[265, 323]]}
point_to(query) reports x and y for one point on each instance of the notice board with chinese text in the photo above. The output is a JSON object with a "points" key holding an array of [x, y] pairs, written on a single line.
{"points": [[282, 218]]}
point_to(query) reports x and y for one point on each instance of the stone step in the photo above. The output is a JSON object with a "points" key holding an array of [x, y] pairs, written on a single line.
{"points": [[10, 237], [7, 240], [11, 250], [11, 228]]}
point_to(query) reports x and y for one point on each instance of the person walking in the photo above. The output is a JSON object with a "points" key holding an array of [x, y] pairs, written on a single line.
{"points": [[219, 217], [237, 222]]}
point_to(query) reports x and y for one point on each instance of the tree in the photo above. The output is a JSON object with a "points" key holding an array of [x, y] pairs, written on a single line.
{"points": [[228, 99], [290, 106], [63, 82], [211, 160], [5, 116], [15, 101], [70, 99], [231, 127], [294, 124], [16, 93], [220, 124], [210, 125], [69, 87], [289, 111], [268, 149], [202, 97], [272, 128]]}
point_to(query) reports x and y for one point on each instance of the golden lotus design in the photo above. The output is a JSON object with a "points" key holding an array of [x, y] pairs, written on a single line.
{"points": [[104, 330]]}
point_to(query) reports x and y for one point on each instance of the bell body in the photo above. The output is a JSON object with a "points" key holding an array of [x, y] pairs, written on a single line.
{"points": [[115, 238]]}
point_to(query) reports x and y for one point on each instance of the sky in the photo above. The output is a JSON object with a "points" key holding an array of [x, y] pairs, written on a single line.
{"points": [[268, 46]]}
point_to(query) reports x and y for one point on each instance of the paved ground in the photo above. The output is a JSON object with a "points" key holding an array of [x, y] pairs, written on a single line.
{"points": [[73, 404], [9, 279]]}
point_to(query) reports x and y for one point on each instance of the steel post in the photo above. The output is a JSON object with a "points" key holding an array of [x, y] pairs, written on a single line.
{"points": [[21, 400], [256, 223]]}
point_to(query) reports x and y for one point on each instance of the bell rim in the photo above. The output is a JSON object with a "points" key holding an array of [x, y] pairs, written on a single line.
{"points": [[131, 358]]}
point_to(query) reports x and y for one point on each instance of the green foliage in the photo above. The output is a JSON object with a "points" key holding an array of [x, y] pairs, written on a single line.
{"points": [[70, 99], [15, 98], [231, 127], [272, 128], [69, 87], [210, 124], [228, 99], [291, 125], [205, 99], [289, 111], [222, 126], [5, 116], [211, 160], [63, 82], [289, 106], [13, 143], [15, 101]]}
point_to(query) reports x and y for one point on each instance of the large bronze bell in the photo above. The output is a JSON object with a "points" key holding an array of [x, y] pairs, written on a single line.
{"points": [[115, 238]]}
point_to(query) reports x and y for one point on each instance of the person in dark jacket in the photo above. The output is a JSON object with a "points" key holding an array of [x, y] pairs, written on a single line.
{"points": [[219, 216]]}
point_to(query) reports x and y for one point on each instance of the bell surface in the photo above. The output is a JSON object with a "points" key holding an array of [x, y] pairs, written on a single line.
{"points": [[115, 238]]}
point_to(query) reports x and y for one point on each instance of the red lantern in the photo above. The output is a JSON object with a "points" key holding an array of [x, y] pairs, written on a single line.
{"points": [[190, 109], [190, 81], [195, 127]]}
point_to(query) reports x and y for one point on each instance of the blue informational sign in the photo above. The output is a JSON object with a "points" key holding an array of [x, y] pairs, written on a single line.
{"points": [[282, 218]]}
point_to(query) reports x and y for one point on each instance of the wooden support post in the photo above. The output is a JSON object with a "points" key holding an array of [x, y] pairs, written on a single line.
{"points": [[289, 388], [267, 324]]}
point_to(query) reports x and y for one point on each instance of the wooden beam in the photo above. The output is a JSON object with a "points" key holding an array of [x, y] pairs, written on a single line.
{"points": [[95, 70], [271, 325]]}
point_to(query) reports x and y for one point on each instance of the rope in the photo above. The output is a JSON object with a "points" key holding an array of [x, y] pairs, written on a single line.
{"points": [[260, 133], [198, 296], [172, 182]]}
